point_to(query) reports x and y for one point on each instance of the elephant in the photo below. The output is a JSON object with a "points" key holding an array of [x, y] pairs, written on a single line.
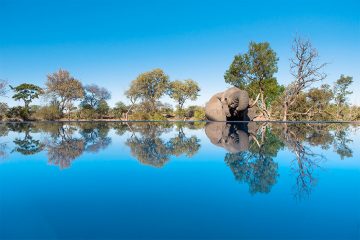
{"points": [[232, 137], [230, 105]]}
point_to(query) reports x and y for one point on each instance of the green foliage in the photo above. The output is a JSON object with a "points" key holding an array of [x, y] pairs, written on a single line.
{"points": [[341, 92], [149, 87], [119, 110], [195, 113], [18, 113], [182, 91], [26, 92], [3, 110], [253, 71], [102, 108]]}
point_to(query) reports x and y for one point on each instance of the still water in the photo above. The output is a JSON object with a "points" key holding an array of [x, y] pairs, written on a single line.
{"points": [[194, 180]]}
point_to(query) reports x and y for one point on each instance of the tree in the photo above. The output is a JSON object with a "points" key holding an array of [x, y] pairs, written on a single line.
{"points": [[103, 108], [341, 92], [64, 89], [305, 69], [150, 87], [133, 95], [253, 71], [3, 110], [119, 109], [93, 94], [319, 102], [182, 91], [27, 93]]}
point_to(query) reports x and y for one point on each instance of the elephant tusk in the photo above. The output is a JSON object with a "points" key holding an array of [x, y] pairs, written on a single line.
{"points": [[253, 104]]}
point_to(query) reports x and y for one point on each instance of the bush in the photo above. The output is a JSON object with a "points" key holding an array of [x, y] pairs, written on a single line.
{"points": [[50, 113], [3, 110], [199, 114], [18, 112]]}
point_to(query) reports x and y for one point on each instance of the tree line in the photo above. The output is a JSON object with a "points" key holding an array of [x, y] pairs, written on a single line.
{"points": [[67, 98], [62, 91]]}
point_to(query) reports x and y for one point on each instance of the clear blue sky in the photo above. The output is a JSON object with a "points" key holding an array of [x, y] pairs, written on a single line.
{"points": [[110, 42]]}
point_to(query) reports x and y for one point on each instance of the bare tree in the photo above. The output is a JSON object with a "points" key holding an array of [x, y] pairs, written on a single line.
{"points": [[3, 87], [306, 70]]}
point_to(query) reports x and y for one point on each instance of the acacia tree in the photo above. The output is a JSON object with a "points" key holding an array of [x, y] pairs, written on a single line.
{"points": [[305, 69], [182, 91], [341, 92], [63, 89], [253, 71], [27, 93], [150, 87]]}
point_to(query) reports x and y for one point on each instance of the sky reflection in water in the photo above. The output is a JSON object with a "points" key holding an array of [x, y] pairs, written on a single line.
{"points": [[156, 180]]}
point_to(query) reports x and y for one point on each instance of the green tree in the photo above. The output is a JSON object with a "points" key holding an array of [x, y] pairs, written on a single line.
{"points": [[150, 87], [63, 89], [120, 109], [27, 93], [3, 110], [319, 102], [341, 91], [253, 71], [103, 108], [182, 91]]}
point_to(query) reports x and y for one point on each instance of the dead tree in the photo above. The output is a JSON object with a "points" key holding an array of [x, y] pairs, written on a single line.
{"points": [[305, 69]]}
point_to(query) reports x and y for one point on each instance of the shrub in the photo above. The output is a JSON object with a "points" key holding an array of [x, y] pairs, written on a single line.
{"points": [[3, 110], [18, 112], [50, 113]]}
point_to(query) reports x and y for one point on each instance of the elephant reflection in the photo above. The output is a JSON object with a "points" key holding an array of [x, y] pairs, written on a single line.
{"points": [[232, 137], [250, 153]]}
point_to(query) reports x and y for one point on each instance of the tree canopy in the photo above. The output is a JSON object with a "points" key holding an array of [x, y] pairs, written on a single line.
{"points": [[63, 88], [181, 91], [27, 92], [254, 71]]}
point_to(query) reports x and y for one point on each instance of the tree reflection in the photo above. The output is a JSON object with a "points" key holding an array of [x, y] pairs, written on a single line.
{"points": [[181, 144], [342, 141], [64, 147], [254, 163], [147, 145], [26, 145], [306, 161], [95, 136], [4, 131]]}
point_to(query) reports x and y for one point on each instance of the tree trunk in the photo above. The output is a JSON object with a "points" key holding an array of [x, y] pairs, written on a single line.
{"points": [[127, 113], [286, 109]]}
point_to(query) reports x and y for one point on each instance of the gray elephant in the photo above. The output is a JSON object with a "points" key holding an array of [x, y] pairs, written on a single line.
{"points": [[230, 105], [232, 137]]}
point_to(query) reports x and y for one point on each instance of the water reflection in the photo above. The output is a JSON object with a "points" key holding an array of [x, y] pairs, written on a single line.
{"points": [[251, 149], [150, 148]]}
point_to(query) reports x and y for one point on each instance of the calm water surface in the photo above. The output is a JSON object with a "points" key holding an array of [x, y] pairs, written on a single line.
{"points": [[152, 180]]}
